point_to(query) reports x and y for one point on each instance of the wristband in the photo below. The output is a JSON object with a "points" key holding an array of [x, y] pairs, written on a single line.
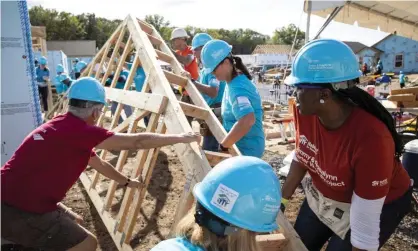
{"points": [[284, 201]]}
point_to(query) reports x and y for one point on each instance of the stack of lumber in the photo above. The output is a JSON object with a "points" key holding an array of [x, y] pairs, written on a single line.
{"points": [[405, 97]]}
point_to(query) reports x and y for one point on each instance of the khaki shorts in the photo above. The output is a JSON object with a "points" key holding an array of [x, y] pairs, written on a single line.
{"points": [[50, 231]]}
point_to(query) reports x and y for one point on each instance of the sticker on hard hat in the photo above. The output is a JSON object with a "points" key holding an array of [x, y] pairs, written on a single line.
{"points": [[224, 198], [319, 67], [218, 53]]}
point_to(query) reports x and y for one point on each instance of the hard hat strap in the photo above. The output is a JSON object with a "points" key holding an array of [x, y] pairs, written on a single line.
{"points": [[214, 224]]}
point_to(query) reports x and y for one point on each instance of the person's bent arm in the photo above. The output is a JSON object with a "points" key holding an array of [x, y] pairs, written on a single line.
{"points": [[185, 60], [125, 141], [206, 89], [293, 179], [239, 130], [107, 170]]}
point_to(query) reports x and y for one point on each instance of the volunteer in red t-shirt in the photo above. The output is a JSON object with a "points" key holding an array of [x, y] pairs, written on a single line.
{"points": [[357, 191], [50, 160]]}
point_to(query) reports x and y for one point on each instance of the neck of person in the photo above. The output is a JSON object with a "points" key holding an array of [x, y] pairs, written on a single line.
{"points": [[334, 115]]}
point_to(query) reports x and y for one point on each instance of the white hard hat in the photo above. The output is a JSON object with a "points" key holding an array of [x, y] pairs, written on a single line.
{"points": [[178, 33]]}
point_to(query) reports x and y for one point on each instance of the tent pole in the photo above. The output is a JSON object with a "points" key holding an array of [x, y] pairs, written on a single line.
{"points": [[308, 21]]}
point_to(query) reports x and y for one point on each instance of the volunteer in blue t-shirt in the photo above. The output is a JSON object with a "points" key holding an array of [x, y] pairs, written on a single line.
{"points": [[242, 112], [120, 84], [57, 82], [211, 89], [402, 79], [42, 78], [79, 67]]}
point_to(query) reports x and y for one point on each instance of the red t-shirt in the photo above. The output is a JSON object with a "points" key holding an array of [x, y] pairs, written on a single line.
{"points": [[48, 162], [192, 68], [358, 156]]}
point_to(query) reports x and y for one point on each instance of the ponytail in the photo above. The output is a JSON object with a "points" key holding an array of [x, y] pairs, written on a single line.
{"points": [[238, 64], [371, 105]]}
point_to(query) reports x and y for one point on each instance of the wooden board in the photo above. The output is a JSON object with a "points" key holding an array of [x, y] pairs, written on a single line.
{"points": [[412, 90], [409, 97]]}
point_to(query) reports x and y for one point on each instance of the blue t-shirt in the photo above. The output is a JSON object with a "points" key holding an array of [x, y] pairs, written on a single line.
{"points": [[177, 244], [241, 98], [59, 86], [210, 80], [40, 74], [402, 78], [139, 78]]}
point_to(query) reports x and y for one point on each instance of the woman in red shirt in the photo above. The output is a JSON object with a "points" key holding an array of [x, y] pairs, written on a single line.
{"points": [[357, 191]]}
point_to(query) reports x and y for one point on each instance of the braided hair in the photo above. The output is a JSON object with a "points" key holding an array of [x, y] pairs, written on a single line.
{"points": [[365, 101]]}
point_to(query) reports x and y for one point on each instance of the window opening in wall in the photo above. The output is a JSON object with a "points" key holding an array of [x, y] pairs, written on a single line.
{"points": [[399, 61]]}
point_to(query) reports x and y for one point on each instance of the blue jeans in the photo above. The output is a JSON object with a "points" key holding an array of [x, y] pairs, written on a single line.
{"points": [[210, 143], [314, 234]]}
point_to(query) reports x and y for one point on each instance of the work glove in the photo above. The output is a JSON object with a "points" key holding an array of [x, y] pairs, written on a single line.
{"points": [[283, 204]]}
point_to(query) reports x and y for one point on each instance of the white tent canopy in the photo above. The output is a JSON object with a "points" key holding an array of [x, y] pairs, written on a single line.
{"points": [[388, 16]]}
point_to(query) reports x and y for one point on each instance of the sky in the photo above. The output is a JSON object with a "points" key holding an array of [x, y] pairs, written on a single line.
{"points": [[263, 16]]}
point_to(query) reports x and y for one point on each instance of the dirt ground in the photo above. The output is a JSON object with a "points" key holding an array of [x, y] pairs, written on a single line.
{"points": [[163, 196]]}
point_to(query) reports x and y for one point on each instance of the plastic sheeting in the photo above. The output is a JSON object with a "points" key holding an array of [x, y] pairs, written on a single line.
{"points": [[387, 16]]}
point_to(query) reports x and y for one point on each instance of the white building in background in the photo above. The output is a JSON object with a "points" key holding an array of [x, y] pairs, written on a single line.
{"points": [[272, 55]]}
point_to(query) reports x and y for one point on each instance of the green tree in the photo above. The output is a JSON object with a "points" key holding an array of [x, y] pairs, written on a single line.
{"points": [[286, 35], [160, 24]]}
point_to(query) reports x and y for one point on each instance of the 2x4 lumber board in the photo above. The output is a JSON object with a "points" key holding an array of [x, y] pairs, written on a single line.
{"points": [[193, 159], [124, 126], [175, 79], [115, 53], [294, 241], [413, 90], [155, 103], [102, 53], [271, 242], [140, 161], [120, 164], [107, 219], [147, 28], [154, 40], [121, 63], [408, 97], [164, 57], [215, 157], [140, 194], [213, 123], [194, 111]]}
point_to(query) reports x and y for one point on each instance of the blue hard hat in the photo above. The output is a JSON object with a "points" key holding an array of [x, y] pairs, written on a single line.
{"points": [[76, 60], [59, 68], [80, 65], [88, 89], [63, 77], [213, 53], [323, 61], [243, 191], [200, 39], [43, 60]]}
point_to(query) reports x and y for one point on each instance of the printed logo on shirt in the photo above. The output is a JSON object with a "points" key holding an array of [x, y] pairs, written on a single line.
{"points": [[37, 136], [214, 82], [243, 102], [380, 183], [304, 141], [224, 198], [313, 165]]}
